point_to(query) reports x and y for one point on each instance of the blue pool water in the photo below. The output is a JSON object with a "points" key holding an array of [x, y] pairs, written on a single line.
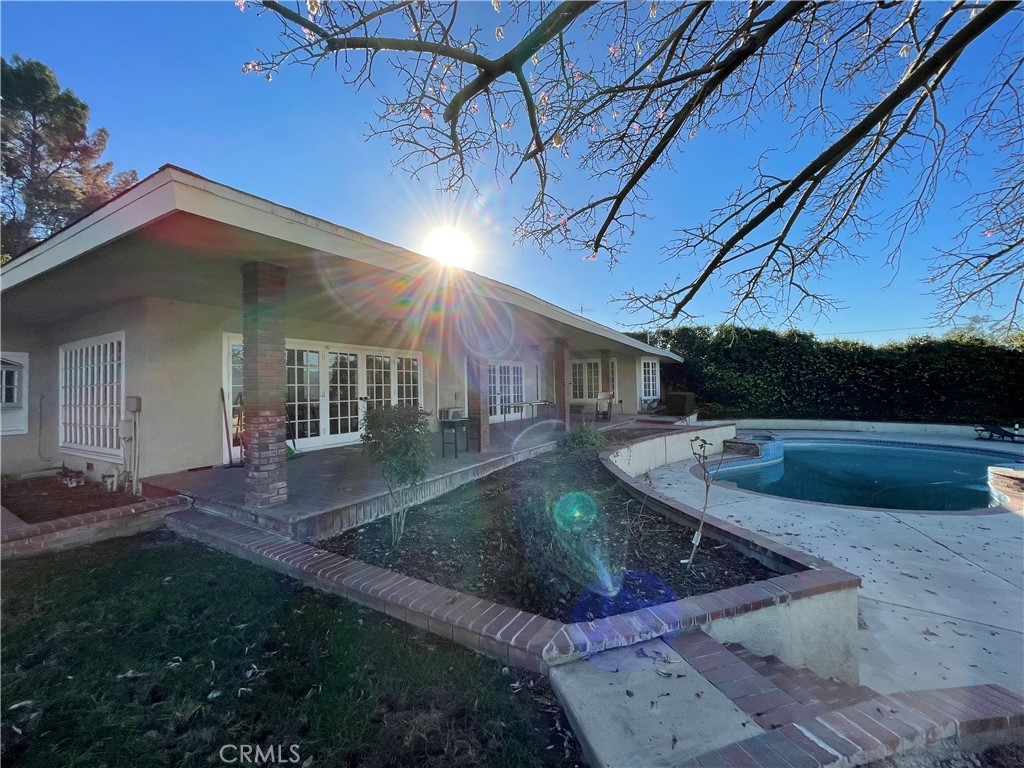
{"points": [[864, 475]]}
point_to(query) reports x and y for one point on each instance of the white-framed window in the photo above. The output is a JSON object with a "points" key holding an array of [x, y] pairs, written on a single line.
{"points": [[585, 379], [92, 396], [505, 389], [650, 378], [328, 388], [14, 393], [408, 380], [613, 376]]}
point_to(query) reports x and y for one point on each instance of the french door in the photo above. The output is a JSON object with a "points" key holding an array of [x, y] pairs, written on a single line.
{"points": [[328, 389]]}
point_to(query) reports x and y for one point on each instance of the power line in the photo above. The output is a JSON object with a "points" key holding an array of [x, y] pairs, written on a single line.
{"points": [[885, 330]]}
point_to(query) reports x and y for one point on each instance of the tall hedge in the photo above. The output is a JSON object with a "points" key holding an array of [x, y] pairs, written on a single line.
{"points": [[743, 373]]}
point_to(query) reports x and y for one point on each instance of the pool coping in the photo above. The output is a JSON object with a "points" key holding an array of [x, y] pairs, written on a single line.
{"points": [[742, 460]]}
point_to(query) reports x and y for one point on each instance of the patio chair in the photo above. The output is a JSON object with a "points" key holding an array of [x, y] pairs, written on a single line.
{"points": [[991, 432], [603, 406]]}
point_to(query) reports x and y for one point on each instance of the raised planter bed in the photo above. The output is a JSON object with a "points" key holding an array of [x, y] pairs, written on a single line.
{"points": [[88, 527]]}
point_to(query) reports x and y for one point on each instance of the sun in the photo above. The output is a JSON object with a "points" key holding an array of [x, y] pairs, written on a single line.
{"points": [[450, 246]]}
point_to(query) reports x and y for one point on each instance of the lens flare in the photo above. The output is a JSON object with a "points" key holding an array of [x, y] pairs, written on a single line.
{"points": [[636, 590], [537, 433], [575, 512], [486, 327]]}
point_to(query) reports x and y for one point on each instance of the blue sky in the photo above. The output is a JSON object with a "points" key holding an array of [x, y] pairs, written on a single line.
{"points": [[165, 79]]}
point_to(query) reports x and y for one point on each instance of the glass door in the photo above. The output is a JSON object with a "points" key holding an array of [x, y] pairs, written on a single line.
{"points": [[342, 394], [378, 381], [302, 402]]}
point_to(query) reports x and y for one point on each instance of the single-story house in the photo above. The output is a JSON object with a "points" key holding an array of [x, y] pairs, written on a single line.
{"points": [[184, 319]]}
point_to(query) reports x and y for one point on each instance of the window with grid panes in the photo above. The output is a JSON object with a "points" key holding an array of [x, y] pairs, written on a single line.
{"points": [[92, 394], [504, 387], [407, 370]]}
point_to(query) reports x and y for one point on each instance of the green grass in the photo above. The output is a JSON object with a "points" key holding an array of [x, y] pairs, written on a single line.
{"points": [[119, 649]]}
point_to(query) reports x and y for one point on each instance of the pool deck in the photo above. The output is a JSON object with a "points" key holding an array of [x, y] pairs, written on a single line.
{"points": [[942, 599]]}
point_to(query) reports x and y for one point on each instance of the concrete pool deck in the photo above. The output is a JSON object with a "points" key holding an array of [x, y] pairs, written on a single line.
{"points": [[942, 597]]}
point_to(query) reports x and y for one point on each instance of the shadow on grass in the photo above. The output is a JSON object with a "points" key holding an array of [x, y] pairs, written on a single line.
{"points": [[153, 651]]}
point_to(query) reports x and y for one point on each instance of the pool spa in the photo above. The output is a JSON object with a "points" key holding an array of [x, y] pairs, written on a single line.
{"points": [[870, 473]]}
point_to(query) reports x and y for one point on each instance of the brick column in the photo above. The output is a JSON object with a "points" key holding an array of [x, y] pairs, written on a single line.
{"points": [[560, 365], [477, 407], [606, 371], [264, 288]]}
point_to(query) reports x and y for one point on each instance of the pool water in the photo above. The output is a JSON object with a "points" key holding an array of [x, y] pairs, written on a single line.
{"points": [[888, 477]]}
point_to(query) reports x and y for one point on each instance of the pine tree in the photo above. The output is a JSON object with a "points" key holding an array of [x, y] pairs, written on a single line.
{"points": [[51, 170]]}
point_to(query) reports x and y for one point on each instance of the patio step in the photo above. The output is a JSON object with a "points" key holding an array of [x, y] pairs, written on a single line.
{"points": [[809, 721], [773, 693], [802, 684]]}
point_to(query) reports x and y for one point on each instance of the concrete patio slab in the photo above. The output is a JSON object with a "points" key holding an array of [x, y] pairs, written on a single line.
{"points": [[935, 586], [627, 715]]}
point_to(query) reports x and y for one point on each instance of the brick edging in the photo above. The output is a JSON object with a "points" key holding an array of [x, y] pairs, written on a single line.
{"points": [[518, 637], [875, 729], [87, 518]]}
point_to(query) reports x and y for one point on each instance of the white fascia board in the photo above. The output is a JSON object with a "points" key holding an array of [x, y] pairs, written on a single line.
{"points": [[149, 200]]}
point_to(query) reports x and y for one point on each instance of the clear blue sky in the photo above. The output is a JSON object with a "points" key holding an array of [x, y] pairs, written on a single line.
{"points": [[165, 80]]}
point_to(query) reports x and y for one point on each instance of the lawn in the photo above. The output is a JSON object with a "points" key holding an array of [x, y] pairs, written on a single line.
{"points": [[154, 651]]}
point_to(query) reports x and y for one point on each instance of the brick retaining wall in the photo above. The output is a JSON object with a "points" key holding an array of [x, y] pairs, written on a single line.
{"points": [[87, 528]]}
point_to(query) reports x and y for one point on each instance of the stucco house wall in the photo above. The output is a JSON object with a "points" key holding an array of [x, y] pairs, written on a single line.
{"points": [[163, 264]]}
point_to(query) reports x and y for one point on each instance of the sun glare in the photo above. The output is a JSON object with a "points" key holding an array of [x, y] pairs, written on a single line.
{"points": [[451, 246]]}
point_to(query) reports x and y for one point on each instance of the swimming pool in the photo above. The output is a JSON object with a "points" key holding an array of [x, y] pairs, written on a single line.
{"points": [[871, 474]]}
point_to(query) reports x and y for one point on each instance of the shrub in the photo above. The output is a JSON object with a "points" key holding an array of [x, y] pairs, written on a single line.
{"points": [[747, 373], [397, 440], [584, 440]]}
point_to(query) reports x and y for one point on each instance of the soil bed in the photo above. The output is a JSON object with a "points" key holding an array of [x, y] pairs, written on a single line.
{"points": [[555, 536], [40, 499]]}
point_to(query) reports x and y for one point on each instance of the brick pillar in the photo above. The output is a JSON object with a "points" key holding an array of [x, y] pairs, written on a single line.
{"points": [[264, 287], [606, 371], [477, 407], [560, 365]]}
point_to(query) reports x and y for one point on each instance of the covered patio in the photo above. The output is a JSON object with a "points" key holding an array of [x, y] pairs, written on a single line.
{"points": [[334, 489]]}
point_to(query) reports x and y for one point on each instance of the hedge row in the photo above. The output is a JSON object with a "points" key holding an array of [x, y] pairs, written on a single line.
{"points": [[741, 373]]}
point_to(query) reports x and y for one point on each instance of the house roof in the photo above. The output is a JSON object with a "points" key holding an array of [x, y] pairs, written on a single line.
{"points": [[171, 190]]}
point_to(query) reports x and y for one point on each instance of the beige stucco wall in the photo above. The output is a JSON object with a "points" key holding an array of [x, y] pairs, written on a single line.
{"points": [[174, 362], [817, 632], [182, 422], [37, 449], [654, 452]]}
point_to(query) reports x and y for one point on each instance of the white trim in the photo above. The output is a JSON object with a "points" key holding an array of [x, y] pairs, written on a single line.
{"points": [[585, 361], [495, 418], [115, 455], [14, 416], [642, 393]]}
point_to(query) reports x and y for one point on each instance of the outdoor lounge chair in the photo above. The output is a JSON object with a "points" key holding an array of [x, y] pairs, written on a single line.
{"points": [[603, 406], [991, 432]]}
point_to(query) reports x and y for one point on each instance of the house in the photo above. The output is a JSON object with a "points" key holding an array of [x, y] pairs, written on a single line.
{"points": [[185, 318]]}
